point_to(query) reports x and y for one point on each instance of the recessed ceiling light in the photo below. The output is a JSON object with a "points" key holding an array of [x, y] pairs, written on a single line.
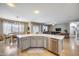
{"points": [[53, 24], [36, 11], [11, 4]]}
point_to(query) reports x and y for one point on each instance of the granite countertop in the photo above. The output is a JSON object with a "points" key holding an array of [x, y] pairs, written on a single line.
{"points": [[45, 35]]}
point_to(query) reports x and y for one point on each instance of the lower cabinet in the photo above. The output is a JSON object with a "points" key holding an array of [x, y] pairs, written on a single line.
{"points": [[49, 43], [53, 45], [37, 42], [25, 43], [40, 42], [20, 44], [45, 42], [33, 42]]}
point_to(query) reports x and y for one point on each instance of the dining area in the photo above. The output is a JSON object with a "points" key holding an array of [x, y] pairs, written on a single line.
{"points": [[8, 45]]}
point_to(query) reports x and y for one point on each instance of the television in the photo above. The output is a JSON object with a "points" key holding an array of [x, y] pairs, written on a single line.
{"points": [[58, 29]]}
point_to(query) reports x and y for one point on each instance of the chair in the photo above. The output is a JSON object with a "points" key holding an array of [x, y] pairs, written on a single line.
{"points": [[1, 38]]}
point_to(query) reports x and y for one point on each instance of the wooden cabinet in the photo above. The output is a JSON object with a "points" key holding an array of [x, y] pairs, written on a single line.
{"points": [[49, 44], [33, 42], [19, 43], [24, 43], [53, 45], [37, 42], [40, 41], [45, 42], [27, 43]]}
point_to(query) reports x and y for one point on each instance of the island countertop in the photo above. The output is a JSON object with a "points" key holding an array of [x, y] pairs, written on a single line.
{"points": [[60, 37]]}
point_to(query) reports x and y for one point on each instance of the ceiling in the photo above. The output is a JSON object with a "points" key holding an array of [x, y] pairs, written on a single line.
{"points": [[52, 13]]}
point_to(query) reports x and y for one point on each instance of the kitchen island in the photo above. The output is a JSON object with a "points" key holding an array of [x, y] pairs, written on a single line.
{"points": [[53, 43]]}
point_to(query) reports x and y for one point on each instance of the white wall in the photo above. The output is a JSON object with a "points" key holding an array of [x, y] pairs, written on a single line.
{"points": [[62, 26]]}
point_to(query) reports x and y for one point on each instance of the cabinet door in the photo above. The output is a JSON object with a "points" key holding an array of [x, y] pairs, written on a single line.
{"points": [[49, 44], [33, 42], [24, 43], [27, 42], [20, 44], [40, 42], [45, 42], [53, 45]]}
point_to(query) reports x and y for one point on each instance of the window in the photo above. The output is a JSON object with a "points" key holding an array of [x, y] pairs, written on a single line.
{"points": [[45, 28], [13, 28], [6, 28], [21, 27], [36, 29]]}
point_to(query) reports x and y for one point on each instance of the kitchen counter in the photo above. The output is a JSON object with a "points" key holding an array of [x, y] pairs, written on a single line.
{"points": [[53, 43], [60, 37]]}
